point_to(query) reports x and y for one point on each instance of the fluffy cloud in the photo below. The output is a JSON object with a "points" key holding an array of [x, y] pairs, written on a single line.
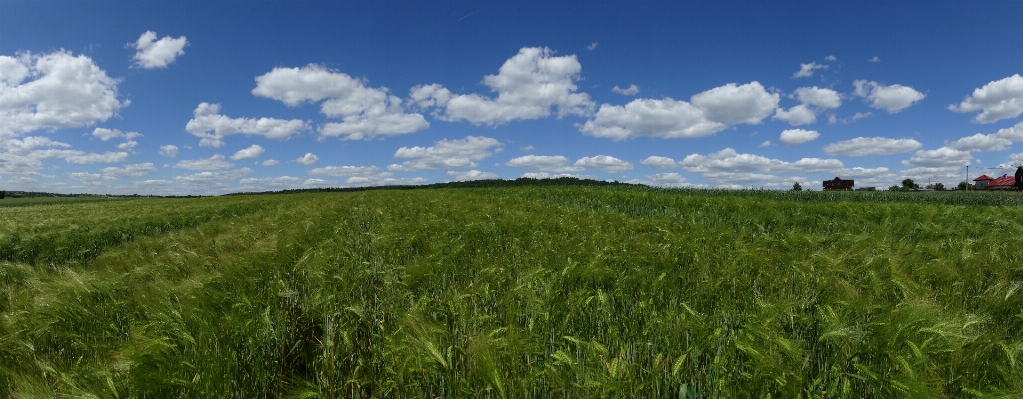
{"points": [[307, 159], [664, 118], [446, 154], [24, 157], [527, 148], [806, 70], [629, 91], [366, 112], [127, 145], [793, 137], [980, 142], [555, 164], [797, 115], [169, 150], [51, 91], [1014, 133], [472, 175], [384, 179], [152, 53], [212, 163], [667, 179], [88, 178], [733, 104], [545, 175], [212, 127], [892, 98], [31, 142], [942, 157], [728, 161], [253, 151], [875, 59], [707, 113], [658, 162], [135, 170], [345, 171], [107, 134], [84, 158], [831, 58], [863, 146], [281, 183], [946, 174], [997, 100], [818, 97], [212, 178], [604, 162], [528, 85], [270, 162]]}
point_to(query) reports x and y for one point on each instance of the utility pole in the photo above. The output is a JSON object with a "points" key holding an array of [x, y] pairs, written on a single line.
{"points": [[967, 177]]}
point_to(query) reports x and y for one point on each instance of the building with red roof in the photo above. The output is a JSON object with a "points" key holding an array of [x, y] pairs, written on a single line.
{"points": [[982, 182], [1005, 182]]}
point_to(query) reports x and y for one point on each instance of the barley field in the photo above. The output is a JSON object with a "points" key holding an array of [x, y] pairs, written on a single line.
{"points": [[515, 292]]}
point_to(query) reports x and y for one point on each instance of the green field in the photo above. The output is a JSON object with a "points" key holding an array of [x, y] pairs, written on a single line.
{"points": [[542, 292]]}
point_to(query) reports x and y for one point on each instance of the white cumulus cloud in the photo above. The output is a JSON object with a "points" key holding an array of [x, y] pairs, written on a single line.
{"points": [[528, 86], [797, 115], [345, 171], [212, 127], [806, 70], [629, 91], [169, 150], [893, 98], [659, 162], [212, 163], [997, 100], [366, 112], [107, 134], [307, 159], [606, 163], [51, 91], [544, 163], [941, 157], [446, 154], [472, 175], [152, 53], [135, 170], [248, 153], [792, 137], [863, 146], [707, 113], [819, 97], [980, 142]]}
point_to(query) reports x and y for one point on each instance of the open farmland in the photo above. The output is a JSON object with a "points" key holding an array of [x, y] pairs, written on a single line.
{"points": [[528, 292]]}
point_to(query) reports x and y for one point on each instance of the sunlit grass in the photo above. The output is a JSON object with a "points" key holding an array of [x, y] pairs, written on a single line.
{"points": [[517, 293]]}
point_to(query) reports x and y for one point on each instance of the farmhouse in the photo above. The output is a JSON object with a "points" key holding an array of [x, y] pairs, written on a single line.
{"points": [[838, 184], [982, 182], [1005, 182]]}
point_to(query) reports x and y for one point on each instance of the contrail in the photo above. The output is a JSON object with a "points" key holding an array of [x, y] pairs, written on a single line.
{"points": [[467, 15]]}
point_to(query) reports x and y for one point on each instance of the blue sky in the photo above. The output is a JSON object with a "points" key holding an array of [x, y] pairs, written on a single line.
{"points": [[215, 97]]}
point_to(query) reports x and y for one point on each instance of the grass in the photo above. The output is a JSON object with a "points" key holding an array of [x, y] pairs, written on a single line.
{"points": [[11, 201], [516, 293]]}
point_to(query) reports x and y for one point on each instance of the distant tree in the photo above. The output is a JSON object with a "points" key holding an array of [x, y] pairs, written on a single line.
{"points": [[894, 188], [963, 186], [909, 184], [3, 194], [939, 187], [796, 187]]}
